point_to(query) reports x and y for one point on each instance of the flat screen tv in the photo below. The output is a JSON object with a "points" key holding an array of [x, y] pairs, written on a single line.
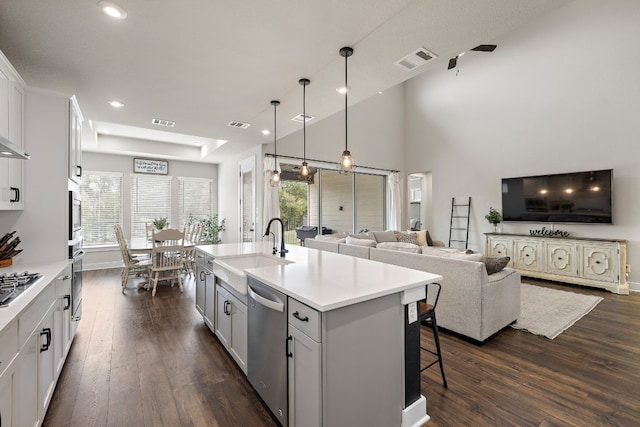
{"points": [[576, 197]]}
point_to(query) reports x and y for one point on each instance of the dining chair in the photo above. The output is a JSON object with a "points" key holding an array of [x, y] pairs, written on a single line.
{"points": [[167, 257], [132, 265], [149, 228], [193, 235]]}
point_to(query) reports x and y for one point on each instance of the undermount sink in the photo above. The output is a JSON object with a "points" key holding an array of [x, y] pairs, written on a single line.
{"points": [[232, 269]]}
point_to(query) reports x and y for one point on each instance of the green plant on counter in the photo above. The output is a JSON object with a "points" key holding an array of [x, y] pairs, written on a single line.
{"points": [[211, 228], [493, 217], [160, 223]]}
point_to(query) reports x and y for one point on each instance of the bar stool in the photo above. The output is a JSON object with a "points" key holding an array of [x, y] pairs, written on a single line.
{"points": [[428, 317]]}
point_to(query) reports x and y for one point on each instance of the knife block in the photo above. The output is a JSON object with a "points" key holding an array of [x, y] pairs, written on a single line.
{"points": [[6, 262]]}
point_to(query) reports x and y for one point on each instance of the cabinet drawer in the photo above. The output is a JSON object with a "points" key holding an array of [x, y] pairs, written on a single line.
{"points": [[204, 260], [9, 345], [305, 318], [34, 314]]}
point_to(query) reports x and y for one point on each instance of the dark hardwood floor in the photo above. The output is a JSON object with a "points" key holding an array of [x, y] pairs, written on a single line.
{"points": [[143, 361]]}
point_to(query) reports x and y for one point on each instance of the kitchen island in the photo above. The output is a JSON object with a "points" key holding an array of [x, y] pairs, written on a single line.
{"points": [[351, 338]]}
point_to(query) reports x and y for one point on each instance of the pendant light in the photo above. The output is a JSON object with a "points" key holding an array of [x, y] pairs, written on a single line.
{"points": [[275, 175], [304, 171], [345, 166]]}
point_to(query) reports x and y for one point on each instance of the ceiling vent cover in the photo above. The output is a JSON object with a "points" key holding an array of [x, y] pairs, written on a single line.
{"points": [[415, 59], [300, 118], [165, 123], [239, 125]]}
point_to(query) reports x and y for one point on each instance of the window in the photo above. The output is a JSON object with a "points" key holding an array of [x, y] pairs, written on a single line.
{"points": [[350, 203], [194, 196], [150, 199], [101, 207]]}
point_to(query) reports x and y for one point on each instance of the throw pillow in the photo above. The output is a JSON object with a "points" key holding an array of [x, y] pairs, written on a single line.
{"points": [[424, 238], [495, 264], [360, 242], [400, 246], [406, 237], [384, 236]]}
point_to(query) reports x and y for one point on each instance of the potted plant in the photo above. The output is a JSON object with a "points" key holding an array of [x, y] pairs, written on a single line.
{"points": [[160, 223], [211, 228], [494, 218]]}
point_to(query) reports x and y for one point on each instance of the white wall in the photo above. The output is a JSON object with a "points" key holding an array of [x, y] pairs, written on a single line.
{"points": [[115, 163], [558, 95], [228, 195]]}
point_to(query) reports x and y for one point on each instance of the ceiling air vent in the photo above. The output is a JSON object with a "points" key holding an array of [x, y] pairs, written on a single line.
{"points": [[239, 125], [415, 59], [300, 118], [162, 122]]}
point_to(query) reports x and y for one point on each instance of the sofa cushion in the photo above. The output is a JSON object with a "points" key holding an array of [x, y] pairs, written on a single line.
{"points": [[400, 246], [330, 238], [384, 236], [406, 237], [366, 236], [495, 264], [360, 242], [461, 255]]}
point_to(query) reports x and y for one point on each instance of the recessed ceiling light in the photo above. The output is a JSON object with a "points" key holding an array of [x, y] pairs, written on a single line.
{"points": [[266, 131], [112, 9], [343, 89], [116, 104]]}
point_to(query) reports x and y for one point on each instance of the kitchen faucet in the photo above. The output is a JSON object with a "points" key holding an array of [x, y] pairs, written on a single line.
{"points": [[266, 233]]}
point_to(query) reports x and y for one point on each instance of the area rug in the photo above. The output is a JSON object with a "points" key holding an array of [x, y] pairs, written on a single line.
{"points": [[549, 312]]}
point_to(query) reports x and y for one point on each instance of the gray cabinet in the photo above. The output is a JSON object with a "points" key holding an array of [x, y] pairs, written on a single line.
{"points": [[305, 366], [205, 289], [231, 323]]}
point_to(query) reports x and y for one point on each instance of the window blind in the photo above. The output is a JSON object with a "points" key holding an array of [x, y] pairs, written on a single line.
{"points": [[194, 198], [150, 199], [101, 207]]}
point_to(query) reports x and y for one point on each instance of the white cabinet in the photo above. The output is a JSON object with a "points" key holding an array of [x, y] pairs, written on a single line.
{"points": [[36, 372], [62, 318], [7, 393], [11, 129], [43, 337], [231, 324], [75, 141], [305, 366], [590, 262]]}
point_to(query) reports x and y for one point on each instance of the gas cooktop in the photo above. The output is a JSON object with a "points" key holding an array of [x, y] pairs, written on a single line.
{"points": [[14, 284]]}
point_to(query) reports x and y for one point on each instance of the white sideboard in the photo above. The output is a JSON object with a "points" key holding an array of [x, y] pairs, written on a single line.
{"points": [[599, 263]]}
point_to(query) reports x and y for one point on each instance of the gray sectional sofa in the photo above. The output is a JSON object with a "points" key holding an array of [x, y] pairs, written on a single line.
{"points": [[472, 303]]}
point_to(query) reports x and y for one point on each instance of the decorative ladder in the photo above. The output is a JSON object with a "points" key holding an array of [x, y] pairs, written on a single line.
{"points": [[459, 224]]}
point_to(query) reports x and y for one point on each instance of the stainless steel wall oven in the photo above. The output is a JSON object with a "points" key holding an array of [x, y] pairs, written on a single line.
{"points": [[76, 253]]}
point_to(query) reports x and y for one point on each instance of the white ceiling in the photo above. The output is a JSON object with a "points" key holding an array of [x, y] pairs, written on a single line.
{"points": [[204, 63]]}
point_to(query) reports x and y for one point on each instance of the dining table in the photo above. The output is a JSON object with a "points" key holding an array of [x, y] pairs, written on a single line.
{"points": [[142, 245]]}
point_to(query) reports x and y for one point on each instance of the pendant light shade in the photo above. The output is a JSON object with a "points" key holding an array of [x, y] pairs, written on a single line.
{"points": [[274, 181], [346, 166], [304, 170]]}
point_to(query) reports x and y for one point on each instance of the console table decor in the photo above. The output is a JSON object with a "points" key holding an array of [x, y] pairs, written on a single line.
{"points": [[600, 263], [549, 233]]}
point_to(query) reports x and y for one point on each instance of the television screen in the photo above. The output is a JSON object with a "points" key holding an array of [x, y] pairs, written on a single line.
{"points": [[578, 197]]}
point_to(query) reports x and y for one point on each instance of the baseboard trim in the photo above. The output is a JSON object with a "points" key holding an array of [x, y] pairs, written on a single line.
{"points": [[634, 286], [101, 265]]}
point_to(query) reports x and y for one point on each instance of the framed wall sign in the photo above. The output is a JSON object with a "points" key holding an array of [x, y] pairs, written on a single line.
{"points": [[157, 167]]}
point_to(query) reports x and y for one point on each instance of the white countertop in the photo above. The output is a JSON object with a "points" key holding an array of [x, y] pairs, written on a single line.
{"points": [[49, 272], [325, 280]]}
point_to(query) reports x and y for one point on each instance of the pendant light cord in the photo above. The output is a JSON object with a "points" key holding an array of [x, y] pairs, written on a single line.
{"points": [[304, 122], [346, 117]]}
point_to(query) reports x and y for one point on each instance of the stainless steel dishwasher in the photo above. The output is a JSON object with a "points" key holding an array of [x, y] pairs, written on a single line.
{"points": [[267, 347]]}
